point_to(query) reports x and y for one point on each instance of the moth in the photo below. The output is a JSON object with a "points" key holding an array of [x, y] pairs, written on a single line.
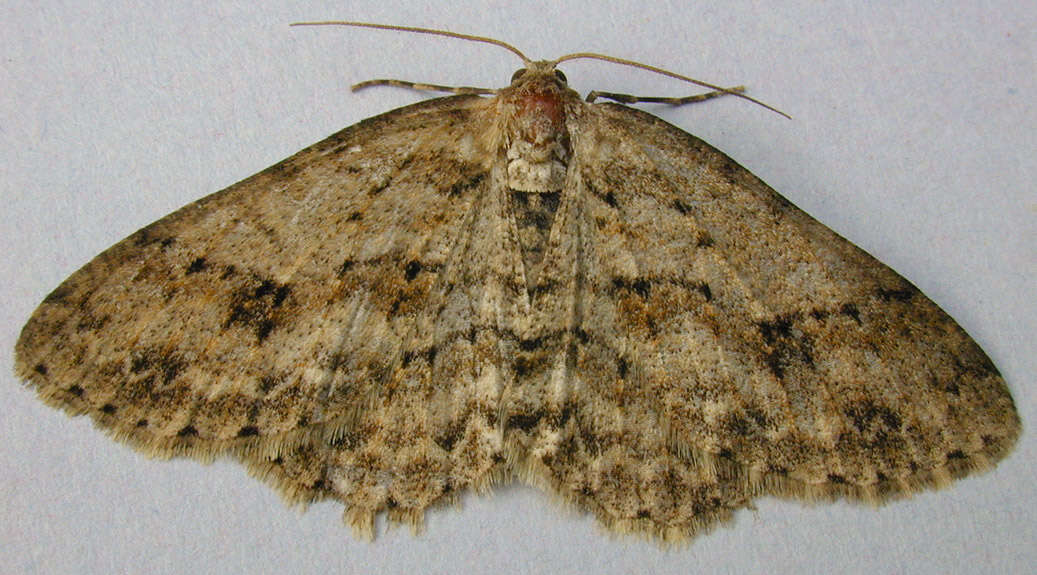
{"points": [[473, 290]]}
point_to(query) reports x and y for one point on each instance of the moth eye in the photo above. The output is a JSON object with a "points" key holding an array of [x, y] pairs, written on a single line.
{"points": [[560, 76], [518, 74]]}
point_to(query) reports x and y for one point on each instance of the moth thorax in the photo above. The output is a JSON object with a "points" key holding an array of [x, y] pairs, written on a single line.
{"points": [[538, 153], [526, 175]]}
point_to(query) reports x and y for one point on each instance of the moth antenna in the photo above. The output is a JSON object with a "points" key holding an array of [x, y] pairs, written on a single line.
{"points": [[650, 68], [431, 31]]}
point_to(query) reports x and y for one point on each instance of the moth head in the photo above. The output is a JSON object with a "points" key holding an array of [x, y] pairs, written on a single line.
{"points": [[543, 68], [539, 71]]}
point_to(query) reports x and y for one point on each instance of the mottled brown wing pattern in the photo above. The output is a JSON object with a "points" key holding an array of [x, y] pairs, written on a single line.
{"points": [[771, 347], [724, 345], [362, 271]]}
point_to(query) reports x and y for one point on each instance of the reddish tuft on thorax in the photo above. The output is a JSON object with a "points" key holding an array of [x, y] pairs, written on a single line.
{"points": [[541, 116]]}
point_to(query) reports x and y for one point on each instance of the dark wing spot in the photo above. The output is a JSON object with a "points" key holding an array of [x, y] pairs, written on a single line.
{"points": [[737, 424], [187, 431], [248, 431], [640, 286], [530, 344], [525, 422], [267, 383], [850, 310], [40, 369], [901, 295], [412, 270], [281, 294], [449, 437], [523, 366], [345, 267], [258, 307], [58, 295], [265, 288], [463, 186], [108, 409], [867, 414], [264, 328], [157, 362], [704, 289], [785, 346], [779, 327], [196, 266]]}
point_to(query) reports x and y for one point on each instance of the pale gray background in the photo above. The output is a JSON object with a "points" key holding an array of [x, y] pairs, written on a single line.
{"points": [[913, 135]]}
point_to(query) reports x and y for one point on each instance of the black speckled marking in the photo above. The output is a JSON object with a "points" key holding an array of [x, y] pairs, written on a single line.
{"points": [[866, 414], [524, 422], [641, 286], [531, 344], [898, 294], [345, 267], [622, 367], [58, 295], [460, 188], [412, 270], [450, 436], [258, 306], [785, 346], [850, 310], [167, 365], [703, 288], [197, 265]]}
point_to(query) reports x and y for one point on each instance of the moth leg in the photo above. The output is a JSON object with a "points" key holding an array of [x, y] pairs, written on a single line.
{"points": [[421, 87], [629, 99]]}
